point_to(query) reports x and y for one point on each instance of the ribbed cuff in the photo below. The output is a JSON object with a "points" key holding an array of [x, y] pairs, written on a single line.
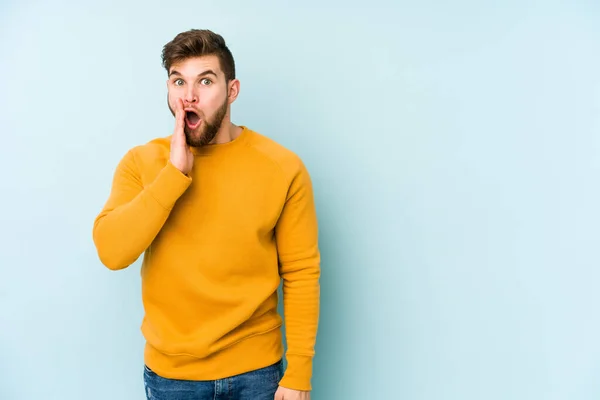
{"points": [[169, 185], [298, 372]]}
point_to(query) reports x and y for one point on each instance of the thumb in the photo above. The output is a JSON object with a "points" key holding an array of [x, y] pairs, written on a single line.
{"points": [[178, 135], [279, 394]]}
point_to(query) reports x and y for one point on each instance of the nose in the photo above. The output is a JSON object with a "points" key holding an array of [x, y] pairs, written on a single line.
{"points": [[190, 96]]}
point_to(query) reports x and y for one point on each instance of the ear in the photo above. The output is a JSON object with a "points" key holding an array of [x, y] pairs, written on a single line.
{"points": [[234, 90]]}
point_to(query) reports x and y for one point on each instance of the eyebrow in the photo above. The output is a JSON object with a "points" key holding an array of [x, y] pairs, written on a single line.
{"points": [[207, 72]]}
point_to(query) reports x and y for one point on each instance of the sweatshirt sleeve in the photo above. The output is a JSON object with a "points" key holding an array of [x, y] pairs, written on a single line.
{"points": [[134, 214], [299, 259]]}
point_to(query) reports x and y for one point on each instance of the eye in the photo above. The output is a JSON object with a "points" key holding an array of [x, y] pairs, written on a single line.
{"points": [[178, 82], [206, 81]]}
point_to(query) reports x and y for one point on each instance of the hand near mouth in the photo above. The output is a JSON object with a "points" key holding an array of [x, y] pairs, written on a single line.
{"points": [[181, 155]]}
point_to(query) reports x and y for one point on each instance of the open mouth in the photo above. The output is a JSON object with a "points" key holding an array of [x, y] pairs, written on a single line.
{"points": [[192, 120]]}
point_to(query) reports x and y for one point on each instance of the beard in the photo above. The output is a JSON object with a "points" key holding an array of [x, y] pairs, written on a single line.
{"points": [[208, 129]]}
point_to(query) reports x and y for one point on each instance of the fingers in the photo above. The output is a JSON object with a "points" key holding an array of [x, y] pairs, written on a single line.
{"points": [[278, 394], [178, 135], [180, 116]]}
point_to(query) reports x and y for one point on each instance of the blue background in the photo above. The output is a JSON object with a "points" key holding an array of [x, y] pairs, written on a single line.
{"points": [[455, 152]]}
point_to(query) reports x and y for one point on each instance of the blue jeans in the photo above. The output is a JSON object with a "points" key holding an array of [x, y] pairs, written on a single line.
{"points": [[260, 384]]}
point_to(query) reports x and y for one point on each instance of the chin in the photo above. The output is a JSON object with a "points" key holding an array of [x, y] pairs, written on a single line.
{"points": [[195, 139]]}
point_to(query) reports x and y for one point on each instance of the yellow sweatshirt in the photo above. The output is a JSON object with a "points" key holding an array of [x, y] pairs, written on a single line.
{"points": [[216, 244]]}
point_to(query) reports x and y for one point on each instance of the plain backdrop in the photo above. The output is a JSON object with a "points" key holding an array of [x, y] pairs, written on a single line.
{"points": [[455, 152]]}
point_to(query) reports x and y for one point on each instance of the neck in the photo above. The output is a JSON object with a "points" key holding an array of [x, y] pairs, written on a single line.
{"points": [[227, 132]]}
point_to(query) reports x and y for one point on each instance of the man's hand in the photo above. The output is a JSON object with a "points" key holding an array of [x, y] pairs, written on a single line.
{"points": [[181, 155], [290, 394]]}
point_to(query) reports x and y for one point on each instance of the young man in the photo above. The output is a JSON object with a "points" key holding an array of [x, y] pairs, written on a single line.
{"points": [[221, 214]]}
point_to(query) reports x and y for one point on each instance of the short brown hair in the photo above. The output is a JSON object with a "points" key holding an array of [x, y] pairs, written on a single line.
{"points": [[196, 43]]}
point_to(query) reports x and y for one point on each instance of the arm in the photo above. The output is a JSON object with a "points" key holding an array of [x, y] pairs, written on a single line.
{"points": [[299, 257], [133, 214]]}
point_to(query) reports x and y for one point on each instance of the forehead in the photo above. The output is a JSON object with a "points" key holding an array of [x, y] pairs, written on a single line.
{"points": [[196, 65]]}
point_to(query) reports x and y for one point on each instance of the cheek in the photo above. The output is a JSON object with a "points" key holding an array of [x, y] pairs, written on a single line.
{"points": [[211, 100], [170, 99], [172, 95]]}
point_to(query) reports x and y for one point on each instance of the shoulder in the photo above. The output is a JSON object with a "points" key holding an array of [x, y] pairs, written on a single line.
{"points": [[153, 148], [279, 155], [151, 151]]}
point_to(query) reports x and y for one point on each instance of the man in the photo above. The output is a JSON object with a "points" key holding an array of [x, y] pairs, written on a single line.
{"points": [[222, 214]]}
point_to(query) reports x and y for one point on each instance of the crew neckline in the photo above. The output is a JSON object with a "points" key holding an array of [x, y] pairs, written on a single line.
{"points": [[210, 149]]}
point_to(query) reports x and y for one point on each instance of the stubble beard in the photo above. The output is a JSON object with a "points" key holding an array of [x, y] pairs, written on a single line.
{"points": [[207, 129]]}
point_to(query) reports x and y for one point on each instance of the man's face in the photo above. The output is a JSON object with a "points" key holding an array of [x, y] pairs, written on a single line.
{"points": [[201, 84]]}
